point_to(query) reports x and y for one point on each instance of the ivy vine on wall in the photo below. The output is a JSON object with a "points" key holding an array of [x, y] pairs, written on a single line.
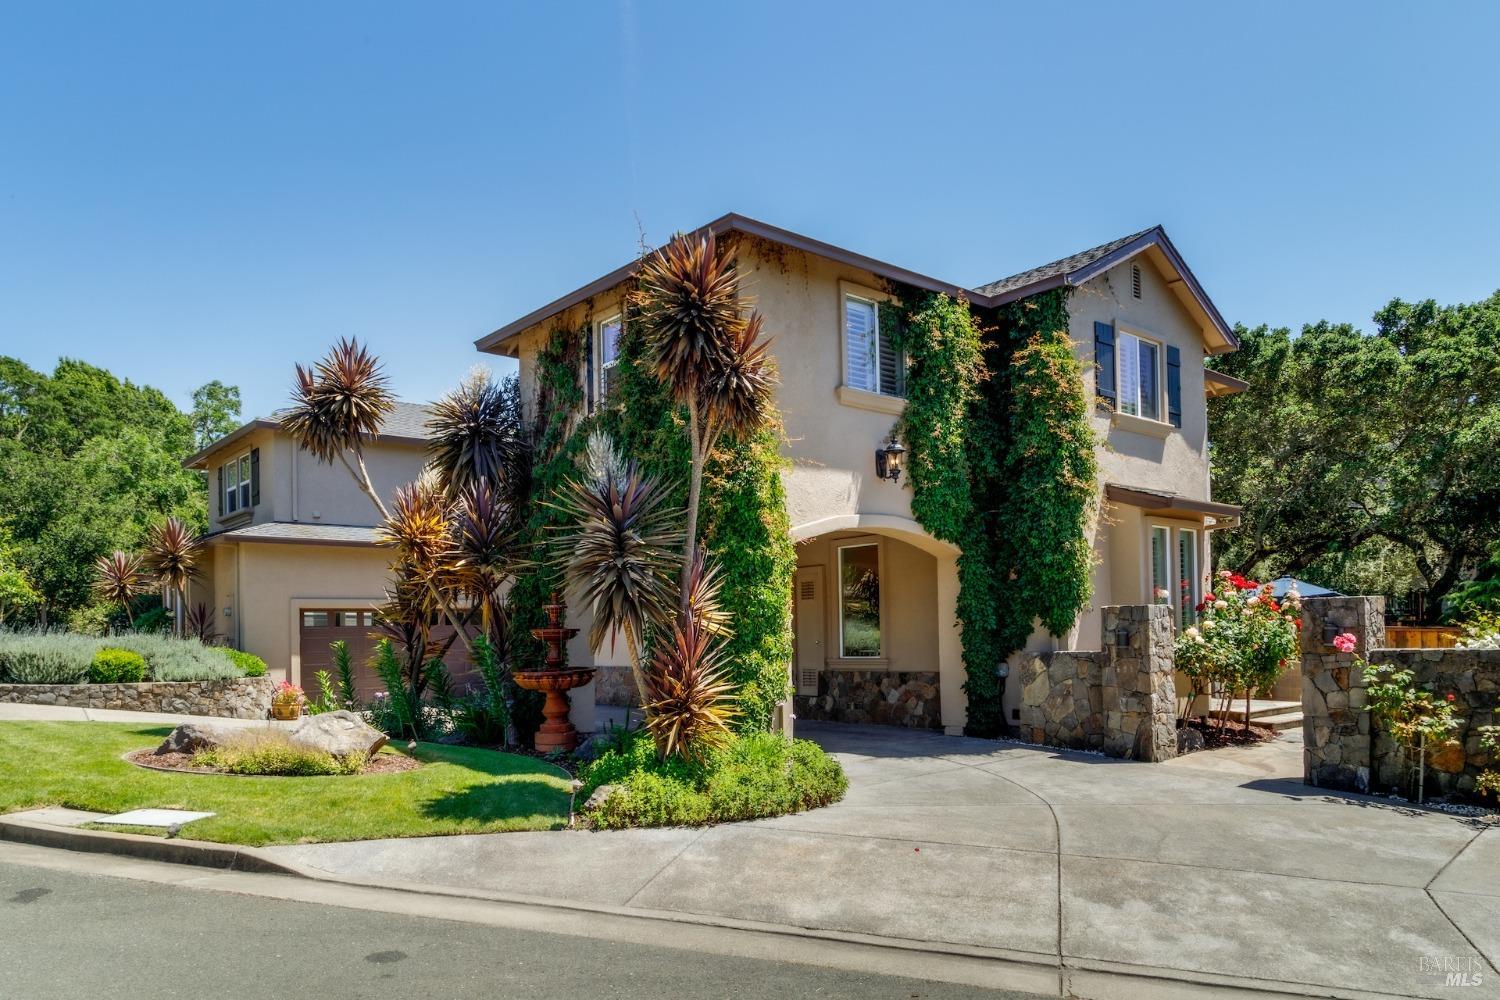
{"points": [[1002, 465]]}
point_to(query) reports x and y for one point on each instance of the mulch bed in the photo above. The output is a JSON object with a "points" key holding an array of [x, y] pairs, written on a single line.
{"points": [[381, 763], [1229, 734]]}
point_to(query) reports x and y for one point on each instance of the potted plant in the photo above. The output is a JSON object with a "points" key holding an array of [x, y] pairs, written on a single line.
{"points": [[286, 701]]}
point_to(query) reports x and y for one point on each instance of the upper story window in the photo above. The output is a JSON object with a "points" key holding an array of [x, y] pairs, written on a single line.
{"points": [[1140, 384], [609, 353], [871, 361], [236, 478]]}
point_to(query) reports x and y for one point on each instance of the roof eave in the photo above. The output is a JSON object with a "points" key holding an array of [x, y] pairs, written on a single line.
{"points": [[199, 459]]}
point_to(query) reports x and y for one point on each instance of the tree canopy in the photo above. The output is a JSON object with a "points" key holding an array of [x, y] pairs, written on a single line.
{"points": [[1365, 461], [89, 462]]}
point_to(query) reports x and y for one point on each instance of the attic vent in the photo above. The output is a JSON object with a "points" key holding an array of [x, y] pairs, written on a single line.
{"points": [[807, 590], [1135, 280]]}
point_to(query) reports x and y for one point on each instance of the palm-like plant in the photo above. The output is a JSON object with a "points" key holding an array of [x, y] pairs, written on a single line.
{"points": [[475, 434], [710, 356], [336, 405], [487, 538], [118, 578], [617, 551], [419, 527], [689, 697], [172, 557], [199, 622]]}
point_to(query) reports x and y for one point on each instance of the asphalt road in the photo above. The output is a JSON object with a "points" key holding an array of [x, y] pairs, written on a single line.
{"points": [[65, 935]]}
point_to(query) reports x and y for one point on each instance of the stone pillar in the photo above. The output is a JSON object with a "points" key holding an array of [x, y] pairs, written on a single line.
{"points": [[1139, 690], [1335, 726]]}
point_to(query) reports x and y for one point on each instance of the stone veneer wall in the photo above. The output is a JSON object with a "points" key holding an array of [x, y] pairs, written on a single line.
{"points": [[889, 698], [236, 698], [614, 686], [1120, 700], [1336, 729]]}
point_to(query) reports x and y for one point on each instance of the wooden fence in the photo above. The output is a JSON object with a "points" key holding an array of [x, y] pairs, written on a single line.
{"points": [[1420, 637]]}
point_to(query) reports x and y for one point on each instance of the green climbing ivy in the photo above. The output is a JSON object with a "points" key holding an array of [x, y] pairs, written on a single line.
{"points": [[1001, 460]]}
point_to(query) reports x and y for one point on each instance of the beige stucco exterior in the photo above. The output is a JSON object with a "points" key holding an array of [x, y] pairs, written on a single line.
{"points": [[833, 431]]}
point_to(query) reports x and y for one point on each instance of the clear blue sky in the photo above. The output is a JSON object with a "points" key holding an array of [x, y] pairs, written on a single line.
{"points": [[210, 190]]}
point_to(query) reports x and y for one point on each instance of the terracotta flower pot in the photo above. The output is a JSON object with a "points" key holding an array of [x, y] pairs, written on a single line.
{"points": [[286, 713]]}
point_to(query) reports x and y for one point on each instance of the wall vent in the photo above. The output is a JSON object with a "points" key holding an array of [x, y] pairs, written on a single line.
{"points": [[808, 593], [1135, 280]]}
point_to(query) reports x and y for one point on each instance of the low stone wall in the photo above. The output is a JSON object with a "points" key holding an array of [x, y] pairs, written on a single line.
{"points": [[1342, 747], [1120, 700], [236, 698], [1472, 676], [875, 696]]}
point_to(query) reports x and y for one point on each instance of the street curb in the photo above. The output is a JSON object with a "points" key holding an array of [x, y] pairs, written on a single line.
{"points": [[1070, 976], [170, 850]]}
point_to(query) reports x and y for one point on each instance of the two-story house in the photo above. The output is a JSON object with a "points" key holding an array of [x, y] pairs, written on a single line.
{"points": [[1142, 326], [290, 561]]}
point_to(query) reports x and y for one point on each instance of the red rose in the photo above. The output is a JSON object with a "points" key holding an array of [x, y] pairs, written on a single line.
{"points": [[1452, 696]]}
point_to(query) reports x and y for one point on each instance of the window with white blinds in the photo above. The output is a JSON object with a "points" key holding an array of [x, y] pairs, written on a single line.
{"points": [[871, 361]]}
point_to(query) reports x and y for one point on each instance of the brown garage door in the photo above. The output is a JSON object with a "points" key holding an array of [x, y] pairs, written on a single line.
{"points": [[321, 627]]}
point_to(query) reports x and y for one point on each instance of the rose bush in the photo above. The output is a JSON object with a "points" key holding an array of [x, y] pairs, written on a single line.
{"points": [[1242, 641]]}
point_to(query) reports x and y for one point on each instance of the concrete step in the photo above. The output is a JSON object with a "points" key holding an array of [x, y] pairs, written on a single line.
{"points": [[1286, 720]]}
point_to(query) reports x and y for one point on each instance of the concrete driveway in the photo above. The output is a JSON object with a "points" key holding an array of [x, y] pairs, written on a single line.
{"points": [[1214, 868]]}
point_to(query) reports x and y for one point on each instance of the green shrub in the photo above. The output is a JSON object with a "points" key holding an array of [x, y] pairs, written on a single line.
{"points": [[46, 657], [153, 621], [65, 658], [272, 752], [754, 775], [248, 663], [91, 619], [117, 666], [171, 659]]}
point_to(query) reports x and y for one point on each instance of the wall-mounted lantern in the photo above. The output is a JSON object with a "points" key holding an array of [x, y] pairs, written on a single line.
{"points": [[888, 460], [1331, 631]]}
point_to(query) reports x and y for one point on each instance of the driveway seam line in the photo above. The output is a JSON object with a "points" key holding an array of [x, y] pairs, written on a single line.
{"points": [[1456, 855], [669, 862], [1461, 932]]}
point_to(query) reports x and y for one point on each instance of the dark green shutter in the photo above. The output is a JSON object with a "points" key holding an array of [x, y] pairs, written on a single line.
{"points": [[220, 506], [892, 375], [1104, 363], [254, 476], [1174, 386]]}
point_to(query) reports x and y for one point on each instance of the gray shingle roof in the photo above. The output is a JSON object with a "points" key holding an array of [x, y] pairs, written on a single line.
{"points": [[1066, 265], [288, 531], [407, 420]]}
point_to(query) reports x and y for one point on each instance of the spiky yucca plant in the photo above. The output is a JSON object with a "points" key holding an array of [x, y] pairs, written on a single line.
{"points": [[419, 527], [485, 555], [617, 552], [336, 405], [475, 434], [709, 355], [199, 622], [689, 696], [118, 578], [172, 557]]}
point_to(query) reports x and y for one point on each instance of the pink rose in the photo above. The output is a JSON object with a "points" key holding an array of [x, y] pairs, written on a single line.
{"points": [[1345, 642]]}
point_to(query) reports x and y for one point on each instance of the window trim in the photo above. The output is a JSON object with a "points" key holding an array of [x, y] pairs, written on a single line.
{"points": [[1122, 330], [598, 349], [231, 469], [1187, 613], [837, 646], [846, 393], [1174, 532]]}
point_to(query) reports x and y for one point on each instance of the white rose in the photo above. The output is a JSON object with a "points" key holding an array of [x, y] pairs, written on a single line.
{"points": [[1221, 604], [1254, 600], [1210, 624], [1192, 630]]}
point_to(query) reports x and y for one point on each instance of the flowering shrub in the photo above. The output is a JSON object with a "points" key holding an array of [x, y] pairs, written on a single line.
{"points": [[1243, 639], [1345, 642], [1482, 631], [1489, 778]]}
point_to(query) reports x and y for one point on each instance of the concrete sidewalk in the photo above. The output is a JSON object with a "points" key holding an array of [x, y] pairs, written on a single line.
{"points": [[1215, 868]]}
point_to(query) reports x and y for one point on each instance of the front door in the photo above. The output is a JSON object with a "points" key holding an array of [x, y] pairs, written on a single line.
{"points": [[810, 629]]}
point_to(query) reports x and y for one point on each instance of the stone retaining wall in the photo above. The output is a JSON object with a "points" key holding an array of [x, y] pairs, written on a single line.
{"points": [[1340, 749], [1120, 700], [888, 698], [236, 698]]}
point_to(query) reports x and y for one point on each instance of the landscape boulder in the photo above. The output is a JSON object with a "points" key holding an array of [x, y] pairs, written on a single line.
{"points": [[339, 733], [190, 737]]}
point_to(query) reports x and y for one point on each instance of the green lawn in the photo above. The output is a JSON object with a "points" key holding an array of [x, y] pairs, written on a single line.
{"points": [[460, 790]]}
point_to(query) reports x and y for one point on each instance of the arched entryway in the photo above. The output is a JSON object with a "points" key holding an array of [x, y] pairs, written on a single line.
{"points": [[875, 624]]}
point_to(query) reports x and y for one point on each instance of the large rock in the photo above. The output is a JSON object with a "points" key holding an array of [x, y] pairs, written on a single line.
{"points": [[339, 733], [190, 737]]}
